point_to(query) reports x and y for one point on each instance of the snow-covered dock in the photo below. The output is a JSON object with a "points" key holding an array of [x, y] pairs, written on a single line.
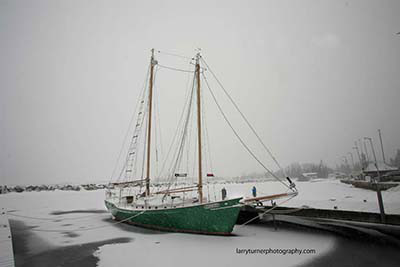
{"points": [[6, 249]]}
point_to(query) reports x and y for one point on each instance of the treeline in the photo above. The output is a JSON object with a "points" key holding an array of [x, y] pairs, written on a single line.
{"points": [[296, 169]]}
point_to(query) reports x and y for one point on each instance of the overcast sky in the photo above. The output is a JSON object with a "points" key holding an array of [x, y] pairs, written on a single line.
{"points": [[312, 77]]}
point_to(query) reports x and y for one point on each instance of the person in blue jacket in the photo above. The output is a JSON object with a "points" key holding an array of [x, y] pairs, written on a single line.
{"points": [[254, 191]]}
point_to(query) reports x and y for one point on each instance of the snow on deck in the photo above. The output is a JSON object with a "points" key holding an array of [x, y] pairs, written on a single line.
{"points": [[6, 250]]}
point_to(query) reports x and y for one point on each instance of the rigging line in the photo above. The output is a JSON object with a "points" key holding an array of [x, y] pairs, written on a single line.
{"points": [[146, 121], [156, 126], [158, 120], [186, 114], [189, 142], [142, 103], [175, 69], [206, 136], [144, 145], [129, 126], [183, 139], [177, 128], [274, 207], [237, 135], [244, 118], [140, 135], [188, 145], [184, 132], [174, 55], [195, 159]]}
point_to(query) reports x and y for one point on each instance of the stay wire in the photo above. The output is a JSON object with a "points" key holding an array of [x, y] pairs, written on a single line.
{"points": [[237, 135], [274, 207], [175, 69], [174, 139], [184, 134], [129, 127], [174, 55], [244, 118]]}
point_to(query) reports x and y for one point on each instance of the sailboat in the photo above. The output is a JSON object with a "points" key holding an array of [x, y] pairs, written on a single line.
{"points": [[174, 208]]}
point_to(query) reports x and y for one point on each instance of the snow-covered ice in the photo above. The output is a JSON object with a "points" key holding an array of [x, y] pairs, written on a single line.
{"points": [[200, 250], [65, 218]]}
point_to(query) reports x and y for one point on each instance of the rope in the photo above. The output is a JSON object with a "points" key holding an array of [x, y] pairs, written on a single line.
{"points": [[173, 54], [238, 137], [175, 69], [175, 138], [184, 134], [274, 207], [84, 229], [287, 211], [244, 118], [129, 126]]}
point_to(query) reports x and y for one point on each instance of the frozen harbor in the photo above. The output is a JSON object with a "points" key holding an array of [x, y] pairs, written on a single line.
{"points": [[321, 193], [68, 226]]}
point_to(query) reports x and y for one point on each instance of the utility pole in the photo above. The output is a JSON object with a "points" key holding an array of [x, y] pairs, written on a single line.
{"points": [[378, 190], [366, 152], [380, 138], [362, 153], [352, 159], [346, 163], [358, 153]]}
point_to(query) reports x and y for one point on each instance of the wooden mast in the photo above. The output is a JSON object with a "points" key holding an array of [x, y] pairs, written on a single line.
{"points": [[200, 185], [152, 63]]}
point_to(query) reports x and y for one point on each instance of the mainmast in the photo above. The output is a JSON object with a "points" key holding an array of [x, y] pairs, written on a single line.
{"points": [[197, 70], [152, 63]]}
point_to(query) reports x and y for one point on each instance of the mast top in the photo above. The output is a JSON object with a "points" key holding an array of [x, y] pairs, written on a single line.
{"points": [[198, 56], [153, 61]]}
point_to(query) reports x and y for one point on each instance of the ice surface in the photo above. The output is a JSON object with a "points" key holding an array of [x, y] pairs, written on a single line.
{"points": [[174, 249], [63, 218]]}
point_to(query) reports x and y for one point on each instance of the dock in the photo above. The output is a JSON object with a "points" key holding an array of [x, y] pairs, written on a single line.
{"points": [[248, 212], [6, 248], [370, 186]]}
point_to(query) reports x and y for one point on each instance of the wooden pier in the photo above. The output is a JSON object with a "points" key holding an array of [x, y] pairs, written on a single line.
{"points": [[248, 212], [6, 248]]}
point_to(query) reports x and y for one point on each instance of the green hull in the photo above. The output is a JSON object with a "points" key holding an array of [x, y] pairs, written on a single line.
{"points": [[211, 218]]}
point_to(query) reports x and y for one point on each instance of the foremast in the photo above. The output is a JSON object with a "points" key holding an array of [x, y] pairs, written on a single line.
{"points": [[152, 64], [197, 73]]}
